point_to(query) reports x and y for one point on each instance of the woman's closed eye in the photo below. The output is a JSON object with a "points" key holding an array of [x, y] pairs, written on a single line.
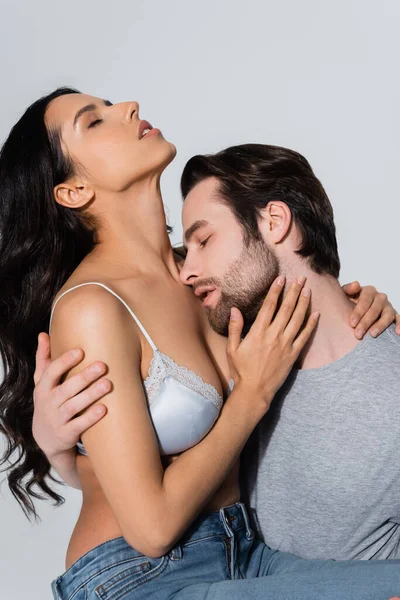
{"points": [[94, 123]]}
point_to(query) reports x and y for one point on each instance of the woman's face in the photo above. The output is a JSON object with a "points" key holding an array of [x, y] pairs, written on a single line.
{"points": [[107, 141]]}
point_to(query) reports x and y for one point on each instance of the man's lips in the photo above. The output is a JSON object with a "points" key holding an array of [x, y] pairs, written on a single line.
{"points": [[205, 293]]}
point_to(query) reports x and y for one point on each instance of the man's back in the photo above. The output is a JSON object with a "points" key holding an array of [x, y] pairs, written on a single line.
{"points": [[323, 468]]}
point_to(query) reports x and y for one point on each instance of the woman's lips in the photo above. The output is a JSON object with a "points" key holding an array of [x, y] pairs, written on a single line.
{"points": [[152, 132], [143, 125]]}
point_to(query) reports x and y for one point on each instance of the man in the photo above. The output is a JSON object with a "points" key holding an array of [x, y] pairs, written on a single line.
{"points": [[323, 471], [250, 213]]}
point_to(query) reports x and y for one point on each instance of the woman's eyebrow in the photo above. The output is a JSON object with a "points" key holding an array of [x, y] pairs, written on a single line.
{"points": [[88, 108]]}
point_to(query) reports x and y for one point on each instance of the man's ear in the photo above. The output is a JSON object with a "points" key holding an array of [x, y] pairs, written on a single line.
{"points": [[73, 194], [275, 221]]}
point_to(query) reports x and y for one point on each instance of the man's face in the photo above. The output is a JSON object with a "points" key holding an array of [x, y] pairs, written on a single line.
{"points": [[222, 268]]}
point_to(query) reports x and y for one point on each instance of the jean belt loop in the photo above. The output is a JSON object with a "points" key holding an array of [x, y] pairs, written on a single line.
{"points": [[54, 589], [176, 552], [249, 531], [225, 522]]}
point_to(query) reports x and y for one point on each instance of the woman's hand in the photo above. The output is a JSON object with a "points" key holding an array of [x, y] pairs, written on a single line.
{"points": [[263, 360], [373, 311], [56, 426]]}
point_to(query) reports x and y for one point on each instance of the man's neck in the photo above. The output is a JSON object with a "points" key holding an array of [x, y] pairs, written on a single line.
{"points": [[333, 337]]}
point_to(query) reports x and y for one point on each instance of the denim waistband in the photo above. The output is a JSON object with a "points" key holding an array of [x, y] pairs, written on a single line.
{"points": [[226, 522]]}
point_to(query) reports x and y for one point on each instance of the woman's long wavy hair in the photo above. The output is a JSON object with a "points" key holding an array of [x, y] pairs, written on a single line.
{"points": [[41, 243]]}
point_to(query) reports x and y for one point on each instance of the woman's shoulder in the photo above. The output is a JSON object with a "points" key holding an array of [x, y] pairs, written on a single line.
{"points": [[89, 303], [90, 317]]}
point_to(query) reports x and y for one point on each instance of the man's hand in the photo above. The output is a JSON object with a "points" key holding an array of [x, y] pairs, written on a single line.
{"points": [[58, 420], [373, 311]]}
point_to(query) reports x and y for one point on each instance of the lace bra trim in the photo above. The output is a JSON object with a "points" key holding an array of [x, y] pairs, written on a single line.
{"points": [[162, 365]]}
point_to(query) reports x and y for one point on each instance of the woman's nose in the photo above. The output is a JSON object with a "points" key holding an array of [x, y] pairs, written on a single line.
{"points": [[131, 110]]}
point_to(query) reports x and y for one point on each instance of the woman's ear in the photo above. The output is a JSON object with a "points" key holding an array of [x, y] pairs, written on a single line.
{"points": [[73, 195], [275, 221]]}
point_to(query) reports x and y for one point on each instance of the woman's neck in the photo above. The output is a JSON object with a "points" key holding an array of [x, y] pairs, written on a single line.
{"points": [[132, 230]]}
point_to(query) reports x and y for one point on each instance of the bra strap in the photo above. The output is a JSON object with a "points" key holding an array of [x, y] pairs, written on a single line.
{"points": [[142, 329]]}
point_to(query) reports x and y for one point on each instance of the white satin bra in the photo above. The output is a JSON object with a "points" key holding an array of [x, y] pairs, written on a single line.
{"points": [[182, 406]]}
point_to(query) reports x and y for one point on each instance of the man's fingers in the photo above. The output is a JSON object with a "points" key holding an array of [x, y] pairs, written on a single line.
{"points": [[42, 356], [305, 335], [289, 304], [80, 424], [299, 315], [269, 306], [77, 383], [76, 404], [57, 368], [367, 297], [234, 330]]}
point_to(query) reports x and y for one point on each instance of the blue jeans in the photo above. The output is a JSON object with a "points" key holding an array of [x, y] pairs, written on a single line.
{"points": [[218, 558]]}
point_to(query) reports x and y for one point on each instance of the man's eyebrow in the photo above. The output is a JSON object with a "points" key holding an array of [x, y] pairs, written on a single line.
{"points": [[88, 108], [193, 228]]}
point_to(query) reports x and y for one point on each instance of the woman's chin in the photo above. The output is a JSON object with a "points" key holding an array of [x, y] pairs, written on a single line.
{"points": [[172, 149], [170, 153]]}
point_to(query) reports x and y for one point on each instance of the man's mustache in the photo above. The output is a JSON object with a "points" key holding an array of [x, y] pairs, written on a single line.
{"points": [[208, 282]]}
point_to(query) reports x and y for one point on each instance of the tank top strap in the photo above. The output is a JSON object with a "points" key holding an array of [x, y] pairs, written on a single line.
{"points": [[142, 329]]}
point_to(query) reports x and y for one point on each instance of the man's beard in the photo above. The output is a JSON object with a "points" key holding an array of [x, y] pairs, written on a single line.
{"points": [[244, 285]]}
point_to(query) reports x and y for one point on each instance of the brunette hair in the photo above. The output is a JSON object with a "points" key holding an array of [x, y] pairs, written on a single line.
{"points": [[252, 175], [41, 243]]}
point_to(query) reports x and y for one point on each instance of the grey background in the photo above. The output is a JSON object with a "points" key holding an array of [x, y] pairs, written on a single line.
{"points": [[317, 76]]}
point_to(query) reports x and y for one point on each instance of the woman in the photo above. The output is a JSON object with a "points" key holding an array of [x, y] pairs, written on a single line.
{"points": [[171, 529]]}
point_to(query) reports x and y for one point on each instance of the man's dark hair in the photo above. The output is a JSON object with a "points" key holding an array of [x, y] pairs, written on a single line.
{"points": [[252, 175]]}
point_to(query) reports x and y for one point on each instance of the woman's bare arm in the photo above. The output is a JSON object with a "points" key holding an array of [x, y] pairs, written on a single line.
{"points": [[153, 507], [57, 427]]}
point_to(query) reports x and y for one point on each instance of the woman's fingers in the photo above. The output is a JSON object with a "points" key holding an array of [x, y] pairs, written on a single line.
{"points": [[369, 312], [378, 318], [77, 383], [352, 289], [269, 306], [289, 304], [305, 335], [235, 329], [364, 303], [76, 404], [297, 320]]}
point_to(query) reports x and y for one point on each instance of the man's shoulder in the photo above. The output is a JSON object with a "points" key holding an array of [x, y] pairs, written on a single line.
{"points": [[391, 334], [381, 357], [388, 339]]}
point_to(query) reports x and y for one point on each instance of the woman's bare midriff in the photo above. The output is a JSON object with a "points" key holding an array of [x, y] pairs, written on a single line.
{"points": [[96, 523]]}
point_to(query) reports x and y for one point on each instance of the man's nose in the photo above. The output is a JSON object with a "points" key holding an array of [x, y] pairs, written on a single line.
{"points": [[188, 273]]}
